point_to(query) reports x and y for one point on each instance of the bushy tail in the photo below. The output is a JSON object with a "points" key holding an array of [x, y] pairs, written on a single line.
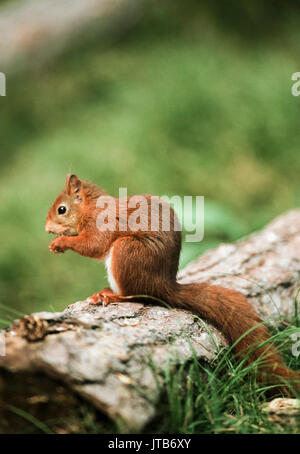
{"points": [[230, 312]]}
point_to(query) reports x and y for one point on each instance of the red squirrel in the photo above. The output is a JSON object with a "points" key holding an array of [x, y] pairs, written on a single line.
{"points": [[144, 261]]}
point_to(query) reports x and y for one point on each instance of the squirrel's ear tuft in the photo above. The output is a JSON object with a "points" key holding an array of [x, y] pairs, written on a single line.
{"points": [[73, 185]]}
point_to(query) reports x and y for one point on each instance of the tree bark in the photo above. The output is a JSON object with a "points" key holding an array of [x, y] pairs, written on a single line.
{"points": [[114, 357]]}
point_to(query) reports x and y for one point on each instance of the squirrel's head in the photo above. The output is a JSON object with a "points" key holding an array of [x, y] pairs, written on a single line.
{"points": [[64, 215]]}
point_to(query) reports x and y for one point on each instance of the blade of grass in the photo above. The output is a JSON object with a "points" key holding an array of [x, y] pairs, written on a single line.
{"points": [[31, 419]]}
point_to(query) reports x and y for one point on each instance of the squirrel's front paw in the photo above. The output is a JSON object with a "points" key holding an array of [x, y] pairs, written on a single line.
{"points": [[58, 245]]}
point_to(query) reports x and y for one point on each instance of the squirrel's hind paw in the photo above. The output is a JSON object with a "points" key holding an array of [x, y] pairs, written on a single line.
{"points": [[105, 296], [101, 297]]}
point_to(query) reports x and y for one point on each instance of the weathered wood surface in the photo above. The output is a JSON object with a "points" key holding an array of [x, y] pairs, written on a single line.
{"points": [[108, 354], [114, 356], [32, 31]]}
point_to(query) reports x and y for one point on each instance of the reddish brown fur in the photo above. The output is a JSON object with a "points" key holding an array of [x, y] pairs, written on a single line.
{"points": [[144, 262]]}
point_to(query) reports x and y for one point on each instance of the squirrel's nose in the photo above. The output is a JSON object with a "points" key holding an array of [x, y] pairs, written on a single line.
{"points": [[48, 227]]}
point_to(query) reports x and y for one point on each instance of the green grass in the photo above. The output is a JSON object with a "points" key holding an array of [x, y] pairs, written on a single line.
{"points": [[230, 402], [226, 398]]}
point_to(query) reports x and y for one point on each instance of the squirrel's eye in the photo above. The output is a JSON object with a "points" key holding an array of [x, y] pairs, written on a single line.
{"points": [[62, 209]]}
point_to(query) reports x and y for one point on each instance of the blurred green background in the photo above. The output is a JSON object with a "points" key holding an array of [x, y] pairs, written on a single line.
{"points": [[195, 99]]}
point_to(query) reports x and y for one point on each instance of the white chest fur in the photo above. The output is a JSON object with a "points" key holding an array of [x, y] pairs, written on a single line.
{"points": [[110, 277]]}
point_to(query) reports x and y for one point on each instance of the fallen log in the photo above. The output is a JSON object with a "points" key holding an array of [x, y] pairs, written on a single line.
{"points": [[113, 357]]}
